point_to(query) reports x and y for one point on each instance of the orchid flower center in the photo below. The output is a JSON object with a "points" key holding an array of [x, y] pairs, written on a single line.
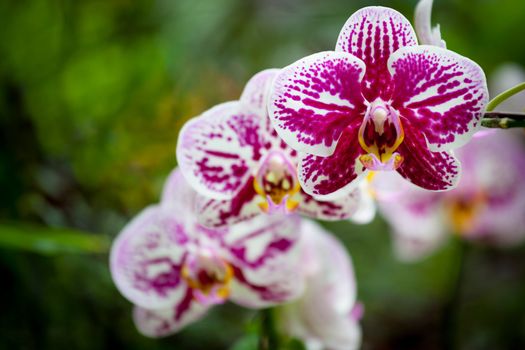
{"points": [[276, 181], [209, 276], [380, 135], [464, 209]]}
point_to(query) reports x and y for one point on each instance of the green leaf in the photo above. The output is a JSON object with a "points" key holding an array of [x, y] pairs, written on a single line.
{"points": [[51, 241]]}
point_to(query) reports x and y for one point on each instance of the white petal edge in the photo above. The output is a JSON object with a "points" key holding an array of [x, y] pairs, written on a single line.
{"points": [[256, 91], [147, 321], [462, 139], [121, 281], [186, 168], [278, 89]]}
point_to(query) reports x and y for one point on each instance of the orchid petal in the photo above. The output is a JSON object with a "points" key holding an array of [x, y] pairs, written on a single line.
{"points": [[255, 97], [256, 91], [333, 177], [373, 34], [217, 150], [178, 193], [163, 322], [332, 275], [344, 334], [435, 171], [146, 259], [366, 209], [338, 209], [244, 206], [502, 221], [265, 257], [313, 100], [441, 93], [422, 19], [415, 248], [418, 220], [324, 316], [493, 167]]}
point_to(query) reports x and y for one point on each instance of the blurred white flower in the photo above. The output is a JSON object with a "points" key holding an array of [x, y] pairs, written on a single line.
{"points": [[327, 315], [488, 204]]}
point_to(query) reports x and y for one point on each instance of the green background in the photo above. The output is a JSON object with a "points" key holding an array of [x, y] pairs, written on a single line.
{"points": [[92, 95]]}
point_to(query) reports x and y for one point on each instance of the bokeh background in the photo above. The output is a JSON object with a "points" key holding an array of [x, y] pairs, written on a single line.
{"points": [[92, 95]]}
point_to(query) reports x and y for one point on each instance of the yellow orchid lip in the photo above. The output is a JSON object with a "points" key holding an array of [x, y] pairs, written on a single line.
{"points": [[463, 211], [380, 135], [276, 181], [209, 278]]}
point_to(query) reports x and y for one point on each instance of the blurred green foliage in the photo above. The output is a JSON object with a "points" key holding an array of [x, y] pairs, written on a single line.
{"points": [[92, 95]]}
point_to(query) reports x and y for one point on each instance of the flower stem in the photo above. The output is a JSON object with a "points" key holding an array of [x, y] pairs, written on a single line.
{"points": [[451, 306], [269, 338], [503, 120], [503, 123], [504, 96]]}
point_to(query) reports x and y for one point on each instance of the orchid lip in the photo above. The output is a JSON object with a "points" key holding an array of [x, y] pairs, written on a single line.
{"points": [[371, 162], [464, 210], [208, 276], [380, 134], [276, 181]]}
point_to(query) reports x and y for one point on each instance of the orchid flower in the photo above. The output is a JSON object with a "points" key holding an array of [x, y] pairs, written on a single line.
{"points": [[174, 269], [234, 158], [326, 316], [378, 102], [488, 204]]}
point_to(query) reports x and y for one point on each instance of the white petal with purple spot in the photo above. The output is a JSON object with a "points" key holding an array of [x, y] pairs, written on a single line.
{"points": [[221, 213], [372, 34], [217, 150], [313, 100], [163, 322], [146, 259], [441, 93], [264, 253], [256, 90], [333, 177]]}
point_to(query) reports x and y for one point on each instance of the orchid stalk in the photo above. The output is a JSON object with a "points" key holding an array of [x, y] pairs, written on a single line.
{"points": [[501, 120], [269, 337], [504, 120]]}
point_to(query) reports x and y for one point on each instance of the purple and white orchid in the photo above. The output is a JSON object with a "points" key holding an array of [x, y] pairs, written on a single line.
{"points": [[488, 205], [173, 269], [326, 316], [233, 157], [379, 101]]}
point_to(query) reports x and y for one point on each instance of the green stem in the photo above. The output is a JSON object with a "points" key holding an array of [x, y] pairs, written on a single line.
{"points": [[503, 120], [504, 96], [269, 338], [500, 115], [502, 123]]}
